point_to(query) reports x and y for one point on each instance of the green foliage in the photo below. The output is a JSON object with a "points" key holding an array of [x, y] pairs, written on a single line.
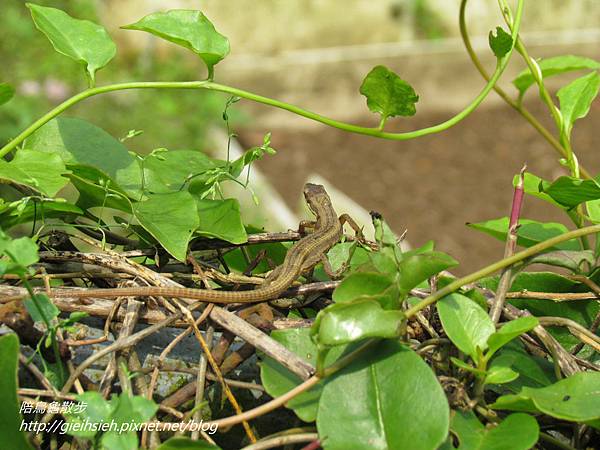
{"points": [[44, 172], [515, 432], [81, 40], [70, 173], [124, 410], [372, 403], [530, 232], [576, 399], [344, 323], [500, 43], [465, 323], [189, 29], [171, 219], [388, 94], [10, 417], [553, 66], [6, 92], [570, 191], [576, 99], [183, 443], [278, 380]]}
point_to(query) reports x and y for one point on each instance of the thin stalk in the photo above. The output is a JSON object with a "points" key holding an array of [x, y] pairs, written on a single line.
{"points": [[517, 106], [209, 85], [499, 265]]}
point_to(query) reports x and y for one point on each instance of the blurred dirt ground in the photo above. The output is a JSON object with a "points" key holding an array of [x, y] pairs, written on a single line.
{"points": [[433, 185]]}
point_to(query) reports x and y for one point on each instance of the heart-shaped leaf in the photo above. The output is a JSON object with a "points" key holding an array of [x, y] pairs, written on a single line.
{"points": [[187, 28], [221, 219], [81, 40], [171, 219], [44, 172], [500, 43], [388, 94]]}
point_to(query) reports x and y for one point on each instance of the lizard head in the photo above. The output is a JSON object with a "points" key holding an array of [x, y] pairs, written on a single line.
{"points": [[316, 197]]}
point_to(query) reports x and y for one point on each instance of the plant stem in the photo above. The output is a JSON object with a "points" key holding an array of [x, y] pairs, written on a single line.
{"points": [[209, 85], [517, 106], [498, 265]]}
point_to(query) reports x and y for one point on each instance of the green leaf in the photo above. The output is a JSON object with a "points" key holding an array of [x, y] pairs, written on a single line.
{"points": [[6, 92], [189, 29], [340, 254], [41, 171], [417, 268], [10, 416], [576, 398], [467, 325], [22, 251], [533, 371], [169, 171], [371, 403], [593, 210], [509, 331], [30, 209], [533, 185], [387, 94], [251, 155], [362, 284], [534, 281], [500, 375], [278, 380], [501, 43], [171, 219], [80, 142], [132, 408], [41, 307], [119, 441], [97, 410], [553, 66], [569, 259], [342, 323], [530, 232], [96, 188], [515, 432], [576, 98], [184, 443], [221, 219], [81, 40], [570, 192]]}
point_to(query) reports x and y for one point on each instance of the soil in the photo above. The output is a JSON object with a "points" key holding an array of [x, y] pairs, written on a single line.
{"points": [[432, 186]]}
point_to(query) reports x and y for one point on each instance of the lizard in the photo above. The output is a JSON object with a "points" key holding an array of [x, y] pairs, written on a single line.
{"points": [[300, 258]]}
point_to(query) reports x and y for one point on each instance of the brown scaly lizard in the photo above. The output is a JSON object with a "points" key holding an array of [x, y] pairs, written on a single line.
{"points": [[301, 257]]}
